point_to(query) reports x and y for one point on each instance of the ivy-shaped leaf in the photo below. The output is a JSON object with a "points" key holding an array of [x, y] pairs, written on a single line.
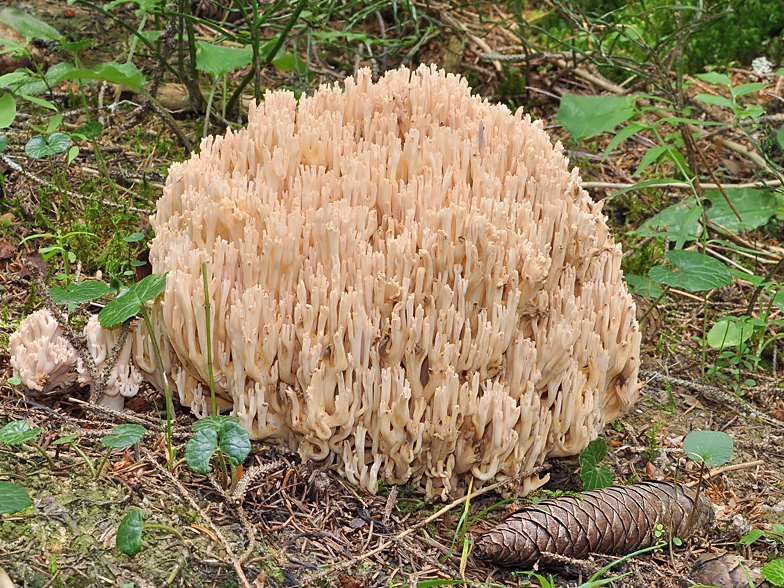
{"points": [[78, 293], [234, 442], [214, 423], [593, 475], [39, 146], [129, 303], [697, 272], [129, 533], [200, 449]]}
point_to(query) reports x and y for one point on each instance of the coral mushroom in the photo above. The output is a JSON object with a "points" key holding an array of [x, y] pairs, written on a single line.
{"points": [[403, 276]]}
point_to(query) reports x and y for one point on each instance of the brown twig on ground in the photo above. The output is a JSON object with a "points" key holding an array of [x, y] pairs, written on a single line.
{"points": [[123, 417], [724, 469]]}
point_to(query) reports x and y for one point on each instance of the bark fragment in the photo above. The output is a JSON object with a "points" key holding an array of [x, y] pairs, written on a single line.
{"points": [[611, 521]]}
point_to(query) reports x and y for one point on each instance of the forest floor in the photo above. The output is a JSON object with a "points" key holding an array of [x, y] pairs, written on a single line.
{"points": [[301, 524]]}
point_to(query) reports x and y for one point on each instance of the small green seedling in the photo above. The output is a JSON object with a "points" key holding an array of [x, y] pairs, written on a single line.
{"points": [[773, 571], [13, 498], [593, 475], [122, 436], [69, 440], [221, 436], [129, 533], [19, 432], [60, 247]]}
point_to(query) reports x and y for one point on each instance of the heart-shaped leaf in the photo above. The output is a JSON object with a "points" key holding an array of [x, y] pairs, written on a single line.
{"points": [[592, 475], [79, 292], [124, 436], [18, 432], [643, 286], [712, 447], [129, 303], [129, 533], [89, 131], [200, 449], [13, 498], [39, 146], [234, 442], [697, 272]]}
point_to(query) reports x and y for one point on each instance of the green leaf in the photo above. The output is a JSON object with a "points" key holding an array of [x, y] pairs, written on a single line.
{"points": [[79, 293], [289, 62], [597, 477], [778, 300], [89, 131], [39, 146], [40, 102], [587, 116], [214, 423], [67, 439], [651, 156], [54, 122], [713, 99], [751, 111], [744, 89], [234, 442], [129, 533], [713, 77], [697, 272], [751, 537], [218, 60], [200, 449], [729, 333], [130, 302], [78, 46], [659, 183], [594, 477], [73, 153], [643, 286], [134, 237], [780, 137], [7, 110], [27, 25], [3, 142], [18, 432], [774, 572], [13, 498], [689, 225], [593, 453], [14, 381], [712, 447], [621, 136], [124, 436], [123, 74]]}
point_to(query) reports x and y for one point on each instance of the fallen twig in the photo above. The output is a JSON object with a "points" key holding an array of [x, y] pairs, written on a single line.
{"points": [[724, 469]]}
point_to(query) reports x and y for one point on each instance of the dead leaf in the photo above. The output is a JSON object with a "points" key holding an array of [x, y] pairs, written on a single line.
{"points": [[6, 249]]}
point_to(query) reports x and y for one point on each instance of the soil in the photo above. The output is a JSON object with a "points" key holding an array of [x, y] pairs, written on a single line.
{"points": [[301, 524]]}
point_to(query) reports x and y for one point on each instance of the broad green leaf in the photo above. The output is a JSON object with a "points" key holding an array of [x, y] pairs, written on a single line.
{"points": [[689, 225], [713, 77], [756, 207], [79, 292], [78, 46], [3, 142], [13, 498], [587, 116], [651, 156], [217, 60], [67, 439], [596, 477], [123, 436], [713, 99], [774, 572], [744, 89], [72, 154], [712, 447], [289, 62], [751, 537], [751, 111], [27, 25], [39, 146], [14, 381], [643, 286], [778, 300], [129, 533], [129, 303], [234, 442], [134, 237], [214, 423], [18, 432], [54, 122], [697, 272], [200, 449], [593, 453], [729, 333], [7, 110], [89, 131], [124, 74], [621, 136]]}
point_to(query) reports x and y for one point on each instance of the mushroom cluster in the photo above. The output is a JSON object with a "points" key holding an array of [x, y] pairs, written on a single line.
{"points": [[404, 278]]}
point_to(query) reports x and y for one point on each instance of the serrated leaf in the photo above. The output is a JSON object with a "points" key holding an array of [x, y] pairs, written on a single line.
{"points": [[713, 77], [587, 116], [596, 477], [79, 292], [697, 272], [39, 146], [129, 533], [129, 303], [218, 60], [214, 423], [13, 498], [18, 432], [774, 572], [712, 447], [728, 333], [714, 100], [123, 436], [643, 286], [7, 110], [200, 449], [234, 442]]}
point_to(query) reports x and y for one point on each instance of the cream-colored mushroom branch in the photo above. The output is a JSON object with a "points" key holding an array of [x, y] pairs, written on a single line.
{"points": [[403, 277]]}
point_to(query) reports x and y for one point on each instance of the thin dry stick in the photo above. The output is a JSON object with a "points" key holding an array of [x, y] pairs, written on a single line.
{"points": [[724, 469], [195, 505], [704, 161], [664, 184]]}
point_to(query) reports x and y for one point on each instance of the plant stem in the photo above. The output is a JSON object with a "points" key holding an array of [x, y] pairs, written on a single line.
{"points": [[42, 452], [207, 307], [205, 131], [103, 463], [171, 530], [86, 459], [704, 335], [169, 408]]}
